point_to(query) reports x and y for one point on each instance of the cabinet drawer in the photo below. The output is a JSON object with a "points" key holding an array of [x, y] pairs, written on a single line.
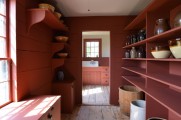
{"points": [[105, 69], [105, 81], [104, 75], [53, 113]]}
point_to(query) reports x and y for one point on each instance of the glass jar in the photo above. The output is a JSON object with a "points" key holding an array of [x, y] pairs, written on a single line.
{"points": [[142, 35], [127, 54], [133, 53], [161, 26]]}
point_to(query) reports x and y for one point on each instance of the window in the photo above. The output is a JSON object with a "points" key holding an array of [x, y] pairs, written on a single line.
{"points": [[92, 48], [4, 59]]}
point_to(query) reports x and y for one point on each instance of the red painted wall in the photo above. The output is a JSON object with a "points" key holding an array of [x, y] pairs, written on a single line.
{"points": [[113, 24], [33, 50]]}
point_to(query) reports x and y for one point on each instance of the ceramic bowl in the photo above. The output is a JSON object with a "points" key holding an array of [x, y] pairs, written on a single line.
{"points": [[176, 51], [161, 54], [61, 38], [156, 118], [175, 47], [46, 6], [57, 14], [62, 54]]}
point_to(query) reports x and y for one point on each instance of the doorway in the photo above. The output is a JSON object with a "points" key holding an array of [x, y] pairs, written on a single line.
{"points": [[95, 67]]}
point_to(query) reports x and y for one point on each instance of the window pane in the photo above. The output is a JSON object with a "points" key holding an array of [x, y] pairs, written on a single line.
{"points": [[96, 44], [2, 26], [4, 76], [96, 50], [5, 90], [3, 7], [88, 49], [92, 50], [87, 44], [2, 48]]}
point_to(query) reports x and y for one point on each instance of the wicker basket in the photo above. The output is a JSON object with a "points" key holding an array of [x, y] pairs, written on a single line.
{"points": [[127, 94]]}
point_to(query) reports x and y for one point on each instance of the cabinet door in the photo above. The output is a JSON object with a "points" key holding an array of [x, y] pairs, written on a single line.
{"points": [[66, 91]]}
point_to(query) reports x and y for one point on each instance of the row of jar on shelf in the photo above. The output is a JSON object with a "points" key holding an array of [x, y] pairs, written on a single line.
{"points": [[135, 53], [158, 51], [133, 38], [161, 25]]}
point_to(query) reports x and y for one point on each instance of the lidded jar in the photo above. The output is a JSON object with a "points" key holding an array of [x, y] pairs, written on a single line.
{"points": [[175, 47], [161, 26]]}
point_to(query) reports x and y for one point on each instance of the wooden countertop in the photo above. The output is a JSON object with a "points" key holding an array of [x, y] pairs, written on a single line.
{"points": [[29, 109]]}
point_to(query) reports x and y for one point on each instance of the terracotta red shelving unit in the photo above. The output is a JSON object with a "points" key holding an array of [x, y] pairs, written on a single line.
{"points": [[160, 79], [35, 16], [170, 34]]}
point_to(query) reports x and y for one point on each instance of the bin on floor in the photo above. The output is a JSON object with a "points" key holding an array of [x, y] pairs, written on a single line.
{"points": [[138, 110], [156, 118], [127, 94]]}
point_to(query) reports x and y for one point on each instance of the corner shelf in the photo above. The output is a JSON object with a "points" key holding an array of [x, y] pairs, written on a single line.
{"points": [[38, 15], [57, 47], [57, 62]]}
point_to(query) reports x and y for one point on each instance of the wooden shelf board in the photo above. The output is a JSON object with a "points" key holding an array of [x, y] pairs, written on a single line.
{"points": [[136, 44], [137, 81], [46, 16], [168, 59], [134, 59], [171, 80], [154, 59], [170, 34], [136, 70], [168, 98], [142, 16]]}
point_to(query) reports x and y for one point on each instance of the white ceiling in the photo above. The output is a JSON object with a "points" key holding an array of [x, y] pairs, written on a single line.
{"points": [[75, 8]]}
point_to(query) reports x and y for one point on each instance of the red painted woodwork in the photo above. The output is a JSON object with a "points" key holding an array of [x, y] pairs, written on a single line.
{"points": [[159, 78], [91, 75], [74, 64], [170, 34], [95, 75], [139, 21], [35, 108], [46, 16], [56, 47], [33, 53], [66, 90]]}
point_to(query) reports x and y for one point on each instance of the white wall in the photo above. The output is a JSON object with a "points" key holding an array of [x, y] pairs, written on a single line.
{"points": [[105, 36]]}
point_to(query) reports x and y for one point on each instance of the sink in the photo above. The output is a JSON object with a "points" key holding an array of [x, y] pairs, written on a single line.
{"points": [[90, 63]]}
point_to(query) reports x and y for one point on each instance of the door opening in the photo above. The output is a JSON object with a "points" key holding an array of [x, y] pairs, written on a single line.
{"points": [[95, 67]]}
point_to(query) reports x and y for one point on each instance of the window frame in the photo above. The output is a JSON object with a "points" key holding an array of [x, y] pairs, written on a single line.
{"points": [[7, 58], [93, 40]]}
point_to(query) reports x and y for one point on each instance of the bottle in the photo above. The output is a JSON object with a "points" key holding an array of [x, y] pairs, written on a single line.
{"points": [[127, 54], [133, 53]]}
